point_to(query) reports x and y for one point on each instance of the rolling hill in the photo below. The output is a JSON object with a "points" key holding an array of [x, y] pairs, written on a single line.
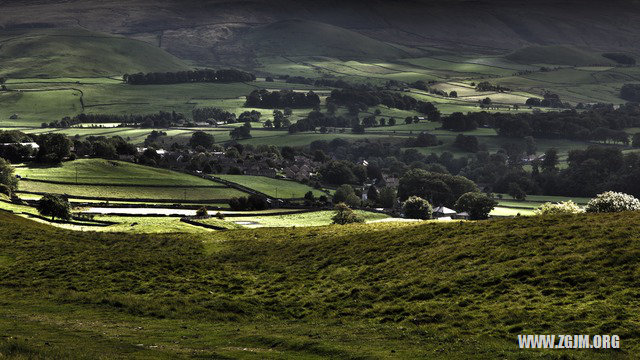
{"points": [[558, 55], [413, 290], [311, 38], [79, 53]]}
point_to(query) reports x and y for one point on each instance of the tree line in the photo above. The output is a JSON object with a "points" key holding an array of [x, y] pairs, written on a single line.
{"points": [[191, 76], [282, 99]]}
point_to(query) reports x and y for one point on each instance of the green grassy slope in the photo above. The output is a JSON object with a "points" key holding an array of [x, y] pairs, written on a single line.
{"points": [[303, 37], [99, 171], [77, 53], [272, 187], [456, 290], [557, 55]]}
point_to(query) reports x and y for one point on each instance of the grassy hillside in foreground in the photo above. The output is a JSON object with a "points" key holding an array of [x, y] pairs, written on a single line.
{"points": [[557, 55], [78, 53], [456, 290]]}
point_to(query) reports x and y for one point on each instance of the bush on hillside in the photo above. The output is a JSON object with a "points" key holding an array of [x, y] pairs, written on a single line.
{"points": [[611, 201], [561, 208], [344, 215], [202, 212], [417, 208]]}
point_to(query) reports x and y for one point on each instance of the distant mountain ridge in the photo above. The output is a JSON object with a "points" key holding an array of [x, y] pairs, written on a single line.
{"points": [[223, 31]]}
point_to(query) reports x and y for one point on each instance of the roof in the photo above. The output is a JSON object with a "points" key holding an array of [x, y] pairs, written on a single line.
{"points": [[444, 210]]}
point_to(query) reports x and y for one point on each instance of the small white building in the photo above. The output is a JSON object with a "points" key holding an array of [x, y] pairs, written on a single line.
{"points": [[443, 212]]}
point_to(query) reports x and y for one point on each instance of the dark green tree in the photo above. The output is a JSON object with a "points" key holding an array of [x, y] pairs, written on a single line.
{"points": [[55, 206], [477, 205], [417, 208]]}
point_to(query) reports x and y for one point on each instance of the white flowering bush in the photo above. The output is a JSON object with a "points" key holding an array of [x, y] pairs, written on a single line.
{"points": [[613, 202], [565, 207]]}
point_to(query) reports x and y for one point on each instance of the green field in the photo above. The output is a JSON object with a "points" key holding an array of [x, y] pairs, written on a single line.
{"points": [[99, 171], [421, 290], [317, 218], [132, 192], [79, 53], [272, 187]]}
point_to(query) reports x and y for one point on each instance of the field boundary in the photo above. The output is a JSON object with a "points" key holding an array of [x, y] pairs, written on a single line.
{"points": [[206, 226]]}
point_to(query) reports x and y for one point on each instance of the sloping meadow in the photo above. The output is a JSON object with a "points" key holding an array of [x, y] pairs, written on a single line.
{"points": [[484, 282]]}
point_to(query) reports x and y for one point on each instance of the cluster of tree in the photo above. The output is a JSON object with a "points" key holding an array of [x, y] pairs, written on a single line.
{"points": [[457, 121], [437, 188], [251, 116], [338, 172], [603, 123], [363, 99], [103, 147], [212, 114], [385, 156], [630, 92], [467, 143], [241, 132], [589, 172], [324, 82], [282, 99], [548, 100], [53, 148], [424, 139], [487, 86], [280, 119], [201, 139], [623, 59], [316, 119], [251, 202], [161, 119], [11, 149], [192, 76]]}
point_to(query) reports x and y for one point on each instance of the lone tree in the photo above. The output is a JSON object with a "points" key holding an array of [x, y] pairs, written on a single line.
{"points": [[344, 215], [55, 206], [6, 176], [417, 208], [478, 205]]}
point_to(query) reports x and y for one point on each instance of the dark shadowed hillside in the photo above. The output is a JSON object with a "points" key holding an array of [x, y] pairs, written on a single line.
{"points": [[216, 31]]}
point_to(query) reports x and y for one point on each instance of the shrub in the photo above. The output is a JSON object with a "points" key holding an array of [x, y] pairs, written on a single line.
{"points": [[220, 215], [344, 215], [613, 202], [565, 207], [202, 212], [478, 205], [417, 208]]}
